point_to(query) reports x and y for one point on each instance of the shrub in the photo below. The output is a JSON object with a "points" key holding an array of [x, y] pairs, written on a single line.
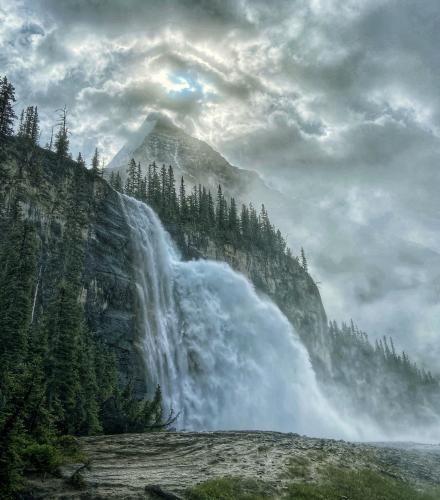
{"points": [[41, 457]]}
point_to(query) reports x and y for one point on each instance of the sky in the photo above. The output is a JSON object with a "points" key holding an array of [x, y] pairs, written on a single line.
{"points": [[336, 104]]}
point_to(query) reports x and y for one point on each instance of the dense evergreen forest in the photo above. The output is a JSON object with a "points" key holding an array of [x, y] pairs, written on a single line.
{"points": [[57, 379], [201, 214]]}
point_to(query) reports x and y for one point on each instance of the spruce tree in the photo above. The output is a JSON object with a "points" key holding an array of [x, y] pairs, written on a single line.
{"points": [[62, 135], [80, 161], [20, 131], [7, 114], [220, 210], [183, 202], [35, 128], [118, 182], [172, 197], [95, 162], [304, 260], [17, 280]]}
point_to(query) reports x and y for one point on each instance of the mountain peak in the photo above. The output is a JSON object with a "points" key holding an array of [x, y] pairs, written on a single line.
{"points": [[159, 121], [154, 122]]}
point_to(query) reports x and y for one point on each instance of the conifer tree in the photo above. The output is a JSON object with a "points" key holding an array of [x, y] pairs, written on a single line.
{"points": [[17, 275], [62, 135], [220, 210], [172, 198], [254, 226], [20, 132], [183, 202], [304, 260], [95, 162], [80, 160], [7, 114], [35, 128], [118, 182]]}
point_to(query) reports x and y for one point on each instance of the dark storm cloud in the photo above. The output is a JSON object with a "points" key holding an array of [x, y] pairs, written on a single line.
{"points": [[336, 103]]}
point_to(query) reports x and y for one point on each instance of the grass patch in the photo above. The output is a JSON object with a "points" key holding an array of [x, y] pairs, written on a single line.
{"points": [[357, 485], [230, 488], [335, 484]]}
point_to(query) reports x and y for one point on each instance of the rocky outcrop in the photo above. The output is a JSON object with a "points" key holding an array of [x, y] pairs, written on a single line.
{"points": [[165, 465]]}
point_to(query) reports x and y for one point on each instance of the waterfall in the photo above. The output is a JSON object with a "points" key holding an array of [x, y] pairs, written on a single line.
{"points": [[225, 357]]}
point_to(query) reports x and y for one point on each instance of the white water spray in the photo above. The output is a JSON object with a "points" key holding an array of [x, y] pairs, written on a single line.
{"points": [[224, 357]]}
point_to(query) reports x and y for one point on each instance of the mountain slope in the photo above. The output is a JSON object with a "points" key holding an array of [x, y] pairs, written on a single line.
{"points": [[159, 140]]}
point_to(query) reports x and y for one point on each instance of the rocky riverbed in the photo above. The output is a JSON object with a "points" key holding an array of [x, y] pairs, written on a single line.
{"points": [[168, 464]]}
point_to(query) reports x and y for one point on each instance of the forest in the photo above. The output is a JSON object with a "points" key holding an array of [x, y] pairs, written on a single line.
{"points": [[206, 216]]}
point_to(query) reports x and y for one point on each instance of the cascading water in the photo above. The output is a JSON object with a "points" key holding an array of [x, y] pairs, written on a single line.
{"points": [[224, 357]]}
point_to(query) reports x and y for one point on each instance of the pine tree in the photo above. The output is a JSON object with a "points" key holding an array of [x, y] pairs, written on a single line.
{"points": [[183, 202], [95, 162], [163, 189], [20, 131], [138, 181], [172, 197], [304, 260], [118, 182], [17, 276], [35, 128], [155, 187], [7, 114], [62, 135], [80, 161], [254, 226], [233, 222], [244, 222], [220, 210]]}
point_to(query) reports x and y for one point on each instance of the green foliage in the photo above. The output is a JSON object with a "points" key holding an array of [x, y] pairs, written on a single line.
{"points": [[195, 218], [123, 412], [7, 114], [95, 163], [357, 485], [29, 126], [334, 484], [62, 136], [230, 488], [41, 457]]}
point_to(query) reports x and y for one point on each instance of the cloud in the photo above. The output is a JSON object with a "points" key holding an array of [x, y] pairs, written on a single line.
{"points": [[335, 103]]}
